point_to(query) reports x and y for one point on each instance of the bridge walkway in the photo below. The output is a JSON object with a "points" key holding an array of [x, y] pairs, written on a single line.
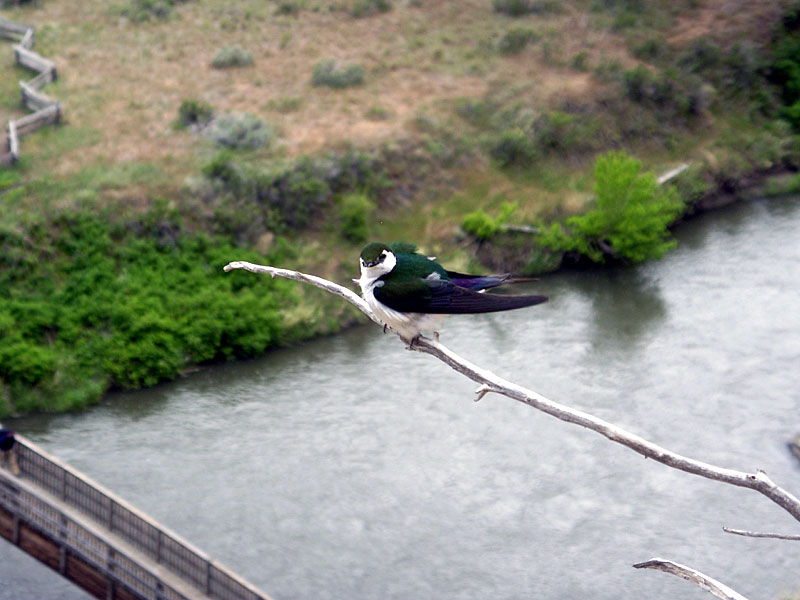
{"points": [[100, 542]]}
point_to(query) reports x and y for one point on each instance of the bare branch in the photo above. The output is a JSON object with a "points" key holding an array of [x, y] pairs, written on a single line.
{"points": [[328, 286], [481, 392], [755, 534], [757, 481], [720, 590], [672, 173]]}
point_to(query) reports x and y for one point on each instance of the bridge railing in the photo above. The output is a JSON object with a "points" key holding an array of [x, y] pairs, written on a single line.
{"points": [[128, 523], [81, 542]]}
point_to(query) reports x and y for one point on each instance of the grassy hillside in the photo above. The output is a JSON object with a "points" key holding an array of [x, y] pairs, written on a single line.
{"points": [[290, 131]]}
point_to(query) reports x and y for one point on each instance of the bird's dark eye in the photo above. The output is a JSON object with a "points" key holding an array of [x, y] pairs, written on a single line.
{"points": [[383, 256]]}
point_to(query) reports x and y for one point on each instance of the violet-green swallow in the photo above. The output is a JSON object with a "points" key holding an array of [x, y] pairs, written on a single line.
{"points": [[411, 293]]}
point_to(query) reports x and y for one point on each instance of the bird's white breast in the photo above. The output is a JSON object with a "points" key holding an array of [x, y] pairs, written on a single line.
{"points": [[408, 325]]}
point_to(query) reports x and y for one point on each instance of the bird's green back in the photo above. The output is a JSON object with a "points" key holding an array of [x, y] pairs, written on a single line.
{"points": [[412, 265]]}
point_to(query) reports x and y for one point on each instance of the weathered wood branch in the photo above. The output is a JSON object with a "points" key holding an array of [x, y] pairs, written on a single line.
{"points": [[720, 590], [489, 382], [756, 534], [328, 286]]}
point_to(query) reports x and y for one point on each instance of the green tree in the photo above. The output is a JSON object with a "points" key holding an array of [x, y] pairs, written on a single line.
{"points": [[481, 226], [629, 220]]}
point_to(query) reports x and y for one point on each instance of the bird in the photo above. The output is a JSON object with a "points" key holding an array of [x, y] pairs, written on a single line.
{"points": [[411, 293]]}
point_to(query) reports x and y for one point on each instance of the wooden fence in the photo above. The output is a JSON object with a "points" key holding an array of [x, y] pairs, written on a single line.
{"points": [[45, 109], [82, 539]]}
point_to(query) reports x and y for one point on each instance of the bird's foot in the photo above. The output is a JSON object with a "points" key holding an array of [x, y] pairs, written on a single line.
{"points": [[410, 342], [385, 326]]}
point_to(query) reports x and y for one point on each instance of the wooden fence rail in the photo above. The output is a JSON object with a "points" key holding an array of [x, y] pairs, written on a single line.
{"points": [[78, 538], [46, 110]]}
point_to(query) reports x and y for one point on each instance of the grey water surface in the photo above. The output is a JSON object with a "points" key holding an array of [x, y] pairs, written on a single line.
{"points": [[350, 468]]}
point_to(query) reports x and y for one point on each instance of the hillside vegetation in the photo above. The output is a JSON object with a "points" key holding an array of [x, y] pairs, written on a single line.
{"points": [[198, 132]]}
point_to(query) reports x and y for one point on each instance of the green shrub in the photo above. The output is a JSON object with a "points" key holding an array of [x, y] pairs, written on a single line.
{"points": [[515, 40], [630, 218], [221, 168], [702, 55], [785, 67], [25, 362], [556, 130], [288, 7], [378, 113], [365, 8], [8, 179], [580, 62], [637, 82], [327, 73], [285, 196], [287, 104], [475, 111], [650, 49], [145, 10], [194, 113], [239, 131], [743, 65], [513, 148], [232, 56], [518, 8], [481, 226], [125, 305], [355, 208]]}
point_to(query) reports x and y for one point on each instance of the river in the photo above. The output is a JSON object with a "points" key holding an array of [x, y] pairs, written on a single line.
{"points": [[348, 467]]}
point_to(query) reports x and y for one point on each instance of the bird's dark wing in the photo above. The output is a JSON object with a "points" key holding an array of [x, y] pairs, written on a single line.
{"points": [[484, 282], [444, 297]]}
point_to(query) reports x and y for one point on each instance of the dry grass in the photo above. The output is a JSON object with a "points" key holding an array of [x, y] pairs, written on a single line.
{"points": [[124, 81], [728, 20]]}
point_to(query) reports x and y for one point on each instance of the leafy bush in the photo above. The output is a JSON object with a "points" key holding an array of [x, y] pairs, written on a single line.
{"points": [[288, 7], [476, 112], [630, 218], [8, 179], [580, 62], [194, 113], [145, 10], [327, 73], [103, 306], [232, 56], [785, 68], [289, 196], [286, 104], [556, 130], [238, 131], [518, 8], [513, 148], [354, 210], [365, 8], [515, 40], [637, 82], [701, 55], [481, 226]]}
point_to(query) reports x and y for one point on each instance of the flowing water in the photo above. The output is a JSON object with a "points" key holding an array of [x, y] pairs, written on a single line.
{"points": [[351, 468]]}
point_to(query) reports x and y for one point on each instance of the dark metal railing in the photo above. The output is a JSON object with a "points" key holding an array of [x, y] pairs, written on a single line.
{"points": [[118, 517]]}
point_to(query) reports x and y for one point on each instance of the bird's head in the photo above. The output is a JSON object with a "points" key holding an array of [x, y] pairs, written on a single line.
{"points": [[377, 259]]}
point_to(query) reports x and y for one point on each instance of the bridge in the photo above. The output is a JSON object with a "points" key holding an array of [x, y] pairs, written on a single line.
{"points": [[100, 542]]}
